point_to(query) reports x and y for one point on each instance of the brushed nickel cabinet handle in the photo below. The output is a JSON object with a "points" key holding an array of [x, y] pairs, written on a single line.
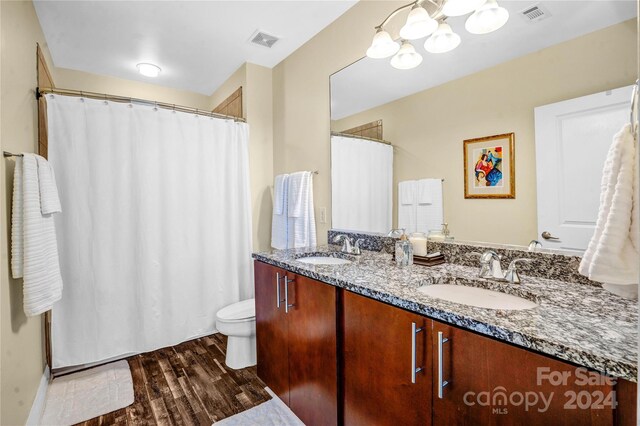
{"points": [[441, 382], [278, 290], [286, 294], [414, 330]]}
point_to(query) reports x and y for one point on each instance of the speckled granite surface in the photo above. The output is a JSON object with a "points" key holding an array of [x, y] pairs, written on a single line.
{"points": [[579, 323], [549, 264]]}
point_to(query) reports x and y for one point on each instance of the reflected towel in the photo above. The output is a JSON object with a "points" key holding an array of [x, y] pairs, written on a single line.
{"points": [[429, 216], [407, 206]]}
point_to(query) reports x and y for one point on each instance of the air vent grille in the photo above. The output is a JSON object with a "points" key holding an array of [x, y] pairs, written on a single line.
{"points": [[263, 39], [535, 13]]}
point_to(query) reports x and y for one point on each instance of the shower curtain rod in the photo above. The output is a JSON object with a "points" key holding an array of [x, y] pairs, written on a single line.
{"points": [[114, 98], [348, 135]]}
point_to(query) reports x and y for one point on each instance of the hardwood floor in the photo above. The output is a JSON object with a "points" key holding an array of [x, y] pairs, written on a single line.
{"points": [[187, 384]]}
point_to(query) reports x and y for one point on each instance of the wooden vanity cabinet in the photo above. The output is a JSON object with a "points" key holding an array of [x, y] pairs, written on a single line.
{"points": [[297, 344], [382, 346], [488, 379]]}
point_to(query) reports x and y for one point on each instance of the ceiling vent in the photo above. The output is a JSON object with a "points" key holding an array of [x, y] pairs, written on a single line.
{"points": [[263, 39], [535, 13]]}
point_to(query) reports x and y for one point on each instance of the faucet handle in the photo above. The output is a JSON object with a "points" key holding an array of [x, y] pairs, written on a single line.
{"points": [[512, 274], [356, 247]]}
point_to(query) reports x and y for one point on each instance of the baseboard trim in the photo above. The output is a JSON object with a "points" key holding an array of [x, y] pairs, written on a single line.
{"points": [[37, 408]]}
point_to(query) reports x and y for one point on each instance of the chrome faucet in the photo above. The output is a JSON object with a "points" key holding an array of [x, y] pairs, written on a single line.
{"points": [[347, 246], [512, 275], [490, 267], [534, 245]]}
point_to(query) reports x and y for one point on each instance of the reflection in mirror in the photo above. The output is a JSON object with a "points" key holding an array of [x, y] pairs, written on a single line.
{"points": [[569, 70], [362, 183]]}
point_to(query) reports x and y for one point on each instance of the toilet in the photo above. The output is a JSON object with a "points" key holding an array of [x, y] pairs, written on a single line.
{"points": [[238, 323]]}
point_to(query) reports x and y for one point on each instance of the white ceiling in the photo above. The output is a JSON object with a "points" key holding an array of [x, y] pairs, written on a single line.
{"points": [[372, 82], [198, 44]]}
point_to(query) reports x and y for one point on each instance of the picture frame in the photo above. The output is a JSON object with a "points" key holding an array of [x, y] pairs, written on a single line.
{"points": [[489, 167]]}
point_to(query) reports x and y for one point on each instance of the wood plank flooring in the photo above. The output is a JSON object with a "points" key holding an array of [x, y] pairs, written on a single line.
{"points": [[187, 384]]}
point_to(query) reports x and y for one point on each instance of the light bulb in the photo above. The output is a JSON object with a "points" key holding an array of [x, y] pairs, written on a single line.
{"points": [[443, 40], [406, 58], [148, 70], [419, 24], [488, 18], [461, 7], [382, 45]]}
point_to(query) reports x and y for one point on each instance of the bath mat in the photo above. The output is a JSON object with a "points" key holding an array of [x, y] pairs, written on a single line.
{"points": [[87, 394], [271, 413]]}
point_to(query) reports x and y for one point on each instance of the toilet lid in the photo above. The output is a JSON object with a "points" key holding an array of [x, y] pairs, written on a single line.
{"points": [[241, 310]]}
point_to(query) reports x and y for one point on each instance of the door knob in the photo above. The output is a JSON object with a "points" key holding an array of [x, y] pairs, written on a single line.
{"points": [[547, 236]]}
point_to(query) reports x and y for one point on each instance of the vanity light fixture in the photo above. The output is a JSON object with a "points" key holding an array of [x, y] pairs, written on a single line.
{"points": [[428, 17], [419, 24], [489, 17], [382, 45], [443, 40], [148, 70], [461, 7], [406, 58]]}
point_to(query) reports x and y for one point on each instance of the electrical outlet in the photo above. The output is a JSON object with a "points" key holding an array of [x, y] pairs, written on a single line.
{"points": [[323, 214]]}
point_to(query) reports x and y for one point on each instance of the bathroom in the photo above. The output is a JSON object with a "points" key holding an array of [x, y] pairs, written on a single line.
{"points": [[352, 324]]}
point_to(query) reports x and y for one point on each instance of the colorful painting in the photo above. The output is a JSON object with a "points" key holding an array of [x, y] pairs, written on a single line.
{"points": [[489, 167]]}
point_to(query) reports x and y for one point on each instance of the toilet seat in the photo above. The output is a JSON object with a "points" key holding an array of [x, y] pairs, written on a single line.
{"points": [[238, 312]]}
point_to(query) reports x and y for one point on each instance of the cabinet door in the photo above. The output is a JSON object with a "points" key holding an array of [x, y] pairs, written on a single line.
{"points": [[271, 330], [313, 377], [379, 354], [494, 383]]}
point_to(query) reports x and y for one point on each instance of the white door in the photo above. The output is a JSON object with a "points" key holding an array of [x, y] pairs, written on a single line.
{"points": [[572, 140]]}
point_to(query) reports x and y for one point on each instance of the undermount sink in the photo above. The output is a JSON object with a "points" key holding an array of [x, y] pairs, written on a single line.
{"points": [[323, 260], [478, 297]]}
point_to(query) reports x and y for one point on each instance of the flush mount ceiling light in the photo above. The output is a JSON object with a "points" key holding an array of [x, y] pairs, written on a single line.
{"points": [[428, 17], [406, 58], [148, 70]]}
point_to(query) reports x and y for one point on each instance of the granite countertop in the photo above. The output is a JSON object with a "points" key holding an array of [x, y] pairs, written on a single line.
{"points": [[575, 322]]}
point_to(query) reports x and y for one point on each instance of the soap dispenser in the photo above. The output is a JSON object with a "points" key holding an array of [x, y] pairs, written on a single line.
{"points": [[404, 251]]}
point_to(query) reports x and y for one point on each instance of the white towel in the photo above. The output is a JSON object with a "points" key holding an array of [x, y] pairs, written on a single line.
{"points": [[49, 200], [612, 254], [425, 191], [279, 223], [302, 222], [429, 216], [407, 192], [407, 206], [34, 248]]}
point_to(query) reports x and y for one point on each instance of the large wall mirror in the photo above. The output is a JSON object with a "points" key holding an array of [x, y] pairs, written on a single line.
{"points": [[553, 85]]}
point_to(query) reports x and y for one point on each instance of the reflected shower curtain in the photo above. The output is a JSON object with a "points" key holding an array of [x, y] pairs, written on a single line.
{"points": [[361, 184], [156, 231]]}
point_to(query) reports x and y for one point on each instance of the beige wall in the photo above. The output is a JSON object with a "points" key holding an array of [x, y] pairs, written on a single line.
{"points": [[427, 128], [301, 97], [79, 80], [258, 101], [21, 342]]}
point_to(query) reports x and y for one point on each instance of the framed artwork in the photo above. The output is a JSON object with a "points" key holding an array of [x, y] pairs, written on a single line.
{"points": [[489, 167]]}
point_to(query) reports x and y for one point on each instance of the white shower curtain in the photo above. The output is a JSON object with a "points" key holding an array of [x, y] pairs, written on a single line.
{"points": [[361, 184], [156, 231]]}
